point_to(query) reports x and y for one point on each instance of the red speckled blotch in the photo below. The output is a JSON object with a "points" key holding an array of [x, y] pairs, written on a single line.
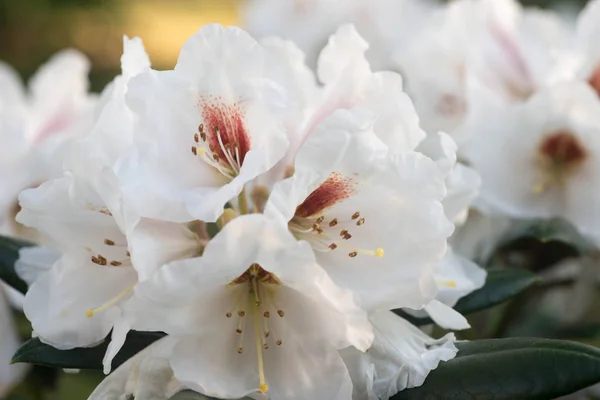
{"points": [[230, 122], [563, 148], [335, 189]]}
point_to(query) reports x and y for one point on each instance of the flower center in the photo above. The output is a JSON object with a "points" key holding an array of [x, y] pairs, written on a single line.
{"points": [[222, 140], [560, 155], [314, 222], [258, 297], [106, 261]]}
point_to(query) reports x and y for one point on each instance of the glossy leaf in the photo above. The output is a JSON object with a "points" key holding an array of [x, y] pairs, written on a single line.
{"points": [[35, 352], [9, 254], [501, 284], [514, 368]]}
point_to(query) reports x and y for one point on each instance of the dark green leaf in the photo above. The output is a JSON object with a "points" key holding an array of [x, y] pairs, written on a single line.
{"points": [[514, 368], [9, 254], [539, 244], [35, 352], [547, 230], [501, 284]]}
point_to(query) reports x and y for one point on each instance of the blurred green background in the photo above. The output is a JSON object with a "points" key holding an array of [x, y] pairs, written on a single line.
{"points": [[32, 30]]}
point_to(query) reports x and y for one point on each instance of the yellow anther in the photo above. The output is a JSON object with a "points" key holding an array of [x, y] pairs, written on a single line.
{"points": [[264, 388], [450, 283], [200, 151], [379, 252], [89, 313]]}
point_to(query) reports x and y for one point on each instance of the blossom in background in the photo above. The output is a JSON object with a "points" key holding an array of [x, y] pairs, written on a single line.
{"points": [[35, 123], [552, 141], [385, 24], [512, 52]]}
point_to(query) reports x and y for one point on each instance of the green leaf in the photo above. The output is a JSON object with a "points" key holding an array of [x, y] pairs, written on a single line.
{"points": [[548, 230], [514, 368], [539, 244], [9, 254], [501, 284], [35, 352]]}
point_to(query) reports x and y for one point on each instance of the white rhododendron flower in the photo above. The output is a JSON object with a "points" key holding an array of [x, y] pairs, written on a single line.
{"points": [[346, 192], [34, 124], [255, 300], [511, 53], [327, 205], [74, 300], [204, 129], [552, 141]]}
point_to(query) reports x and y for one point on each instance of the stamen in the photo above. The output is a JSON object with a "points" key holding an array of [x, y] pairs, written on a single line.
{"points": [[353, 254], [196, 138], [333, 222], [320, 219], [109, 242], [115, 263], [360, 222], [355, 215], [110, 303], [259, 349]]}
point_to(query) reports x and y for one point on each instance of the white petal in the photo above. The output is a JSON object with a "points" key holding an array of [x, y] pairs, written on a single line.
{"points": [[445, 316], [134, 59], [57, 302], [35, 261], [402, 355], [147, 375], [344, 48], [153, 243]]}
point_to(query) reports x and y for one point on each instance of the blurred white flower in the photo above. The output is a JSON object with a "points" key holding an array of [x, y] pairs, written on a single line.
{"points": [[511, 52], [386, 24], [204, 129], [255, 300], [35, 124], [538, 159]]}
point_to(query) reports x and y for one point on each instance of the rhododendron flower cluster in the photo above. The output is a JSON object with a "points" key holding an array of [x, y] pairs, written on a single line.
{"points": [[328, 211], [282, 219]]}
